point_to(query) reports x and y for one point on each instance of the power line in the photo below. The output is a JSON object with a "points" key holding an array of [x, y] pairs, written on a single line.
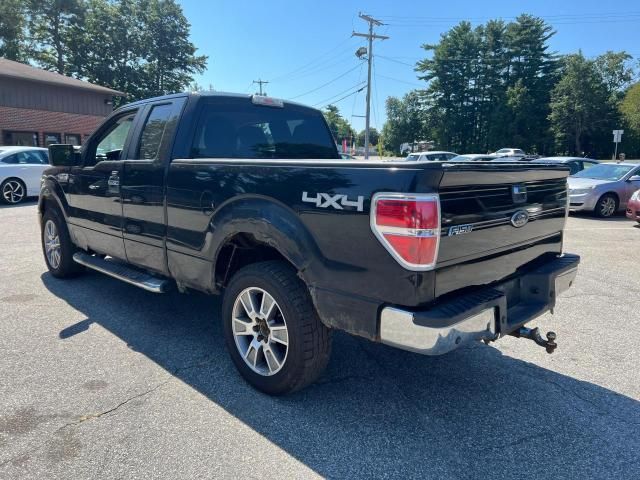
{"points": [[295, 70], [325, 84], [560, 17], [370, 37], [355, 97], [320, 67], [347, 96], [400, 81], [396, 61], [328, 100]]}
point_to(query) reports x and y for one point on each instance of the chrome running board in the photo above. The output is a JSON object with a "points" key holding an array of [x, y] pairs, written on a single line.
{"points": [[122, 272]]}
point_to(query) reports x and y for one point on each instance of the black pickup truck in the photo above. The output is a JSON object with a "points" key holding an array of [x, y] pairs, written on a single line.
{"points": [[249, 197]]}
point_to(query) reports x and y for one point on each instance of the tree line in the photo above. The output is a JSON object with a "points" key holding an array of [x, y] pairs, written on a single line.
{"points": [[139, 47], [499, 85]]}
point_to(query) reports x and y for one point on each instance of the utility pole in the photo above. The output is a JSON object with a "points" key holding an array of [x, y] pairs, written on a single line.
{"points": [[260, 82], [370, 36]]}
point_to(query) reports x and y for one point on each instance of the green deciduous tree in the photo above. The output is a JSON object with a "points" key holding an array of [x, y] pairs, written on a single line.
{"points": [[169, 55], [340, 128], [54, 27], [580, 107], [630, 107], [374, 136], [13, 41], [616, 71], [140, 47], [407, 121]]}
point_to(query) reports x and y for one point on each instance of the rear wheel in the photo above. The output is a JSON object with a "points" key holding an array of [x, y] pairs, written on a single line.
{"points": [[606, 206], [13, 191], [272, 331], [57, 247]]}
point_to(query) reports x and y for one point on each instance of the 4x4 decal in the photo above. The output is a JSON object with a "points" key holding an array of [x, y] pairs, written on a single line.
{"points": [[326, 200]]}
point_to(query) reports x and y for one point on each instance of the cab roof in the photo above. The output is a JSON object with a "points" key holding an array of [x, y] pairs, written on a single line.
{"points": [[210, 93]]}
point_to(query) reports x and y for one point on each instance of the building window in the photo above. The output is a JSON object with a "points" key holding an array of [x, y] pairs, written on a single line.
{"points": [[72, 139], [51, 138], [23, 139]]}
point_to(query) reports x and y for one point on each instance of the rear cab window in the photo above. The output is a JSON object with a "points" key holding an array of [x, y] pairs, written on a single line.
{"points": [[229, 127], [153, 131]]}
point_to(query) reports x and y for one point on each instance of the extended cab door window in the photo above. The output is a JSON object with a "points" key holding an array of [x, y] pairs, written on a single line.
{"points": [[238, 128], [154, 131]]}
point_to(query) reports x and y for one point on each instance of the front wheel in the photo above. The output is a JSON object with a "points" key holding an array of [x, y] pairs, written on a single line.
{"points": [[57, 247], [606, 206], [272, 331], [13, 191]]}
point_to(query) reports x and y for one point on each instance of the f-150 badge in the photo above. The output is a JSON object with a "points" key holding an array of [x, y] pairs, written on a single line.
{"points": [[326, 200], [460, 229]]}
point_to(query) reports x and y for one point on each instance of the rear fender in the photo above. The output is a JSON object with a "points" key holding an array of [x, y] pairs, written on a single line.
{"points": [[269, 222]]}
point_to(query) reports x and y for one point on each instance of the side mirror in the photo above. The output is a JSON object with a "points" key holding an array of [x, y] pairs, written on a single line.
{"points": [[61, 155], [634, 178]]}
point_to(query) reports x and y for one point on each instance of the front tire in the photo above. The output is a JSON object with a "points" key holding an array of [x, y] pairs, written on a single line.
{"points": [[272, 331], [13, 191], [607, 206], [57, 247]]}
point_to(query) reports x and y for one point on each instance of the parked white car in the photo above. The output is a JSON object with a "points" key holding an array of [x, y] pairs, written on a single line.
{"points": [[20, 172], [515, 153], [430, 156]]}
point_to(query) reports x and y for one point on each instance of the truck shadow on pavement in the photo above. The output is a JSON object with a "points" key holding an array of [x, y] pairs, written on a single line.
{"points": [[379, 411]]}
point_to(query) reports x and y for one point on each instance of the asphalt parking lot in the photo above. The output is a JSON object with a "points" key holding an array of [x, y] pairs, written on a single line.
{"points": [[99, 379]]}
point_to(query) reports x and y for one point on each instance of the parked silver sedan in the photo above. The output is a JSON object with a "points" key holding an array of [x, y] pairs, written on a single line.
{"points": [[604, 188]]}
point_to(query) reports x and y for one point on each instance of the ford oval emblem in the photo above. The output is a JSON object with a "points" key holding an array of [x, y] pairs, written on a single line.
{"points": [[520, 218]]}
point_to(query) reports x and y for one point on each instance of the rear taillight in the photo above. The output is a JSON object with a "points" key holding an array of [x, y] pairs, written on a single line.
{"points": [[409, 227]]}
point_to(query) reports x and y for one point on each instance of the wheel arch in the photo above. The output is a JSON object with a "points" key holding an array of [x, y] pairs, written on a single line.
{"points": [[253, 229], [51, 196]]}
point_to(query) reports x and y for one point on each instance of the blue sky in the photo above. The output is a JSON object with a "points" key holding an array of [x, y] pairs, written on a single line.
{"points": [[305, 48]]}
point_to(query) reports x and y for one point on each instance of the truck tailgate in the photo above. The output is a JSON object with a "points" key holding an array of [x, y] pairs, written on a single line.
{"points": [[497, 219]]}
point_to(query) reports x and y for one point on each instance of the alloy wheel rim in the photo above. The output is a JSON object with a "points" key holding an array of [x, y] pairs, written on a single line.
{"points": [[260, 331], [13, 191], [52, 244], [608, 206]]}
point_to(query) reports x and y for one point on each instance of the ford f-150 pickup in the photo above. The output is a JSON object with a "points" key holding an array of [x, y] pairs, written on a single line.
{"points": [[247, 196]]}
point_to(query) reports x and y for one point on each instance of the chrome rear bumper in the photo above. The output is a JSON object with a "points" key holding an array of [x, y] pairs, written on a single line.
{"points": [[485, 314], [397, 329]]}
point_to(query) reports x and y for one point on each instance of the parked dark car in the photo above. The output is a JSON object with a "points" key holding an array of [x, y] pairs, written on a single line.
{"points": [[248, 196], [575, 164]]}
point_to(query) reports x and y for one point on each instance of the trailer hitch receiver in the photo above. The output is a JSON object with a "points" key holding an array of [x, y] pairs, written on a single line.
{"points": [[534, 334]]}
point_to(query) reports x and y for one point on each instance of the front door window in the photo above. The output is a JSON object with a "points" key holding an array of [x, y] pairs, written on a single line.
{"points": [[110, 144]]}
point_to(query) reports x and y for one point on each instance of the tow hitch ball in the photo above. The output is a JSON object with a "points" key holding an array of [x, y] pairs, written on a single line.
{"points": [[534, 334]]}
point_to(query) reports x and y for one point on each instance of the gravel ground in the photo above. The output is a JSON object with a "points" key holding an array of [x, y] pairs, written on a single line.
{"points": [[99, 379]]}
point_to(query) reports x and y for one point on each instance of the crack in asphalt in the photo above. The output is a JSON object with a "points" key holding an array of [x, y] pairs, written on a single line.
{"points": [[32, 449], [597, 409]]}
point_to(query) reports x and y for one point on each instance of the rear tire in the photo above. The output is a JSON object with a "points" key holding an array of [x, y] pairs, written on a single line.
{"points": [[257, 329], [607, 206], [57, 247]]}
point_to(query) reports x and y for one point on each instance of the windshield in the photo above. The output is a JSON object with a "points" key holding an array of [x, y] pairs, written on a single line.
{"points": [[462, 158], [413, 157], [605, 172], [504, 150]]}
